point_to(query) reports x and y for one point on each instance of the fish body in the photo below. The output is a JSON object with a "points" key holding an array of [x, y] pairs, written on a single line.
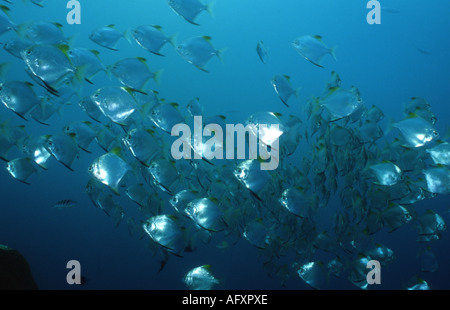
{"points": [[198, 51], [313, 49]]}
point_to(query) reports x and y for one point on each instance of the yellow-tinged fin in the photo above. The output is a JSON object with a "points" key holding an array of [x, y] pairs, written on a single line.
{"points": [[318, 37], [173, 39], [157, 27], [333, 52], [209, 8], [96, 53], [142, 59], [3, 68], [157, 76], [207, 267], [172, 217], [207, 38], [65, 49], [5, 9], [127, 35], [116, 151], [277, 114], [214, 199], [58, 25], [174, 104], [412, 115], [219, 53]]}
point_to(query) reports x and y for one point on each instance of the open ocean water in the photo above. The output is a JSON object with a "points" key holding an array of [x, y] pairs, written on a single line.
{"points": [[404, 56]]}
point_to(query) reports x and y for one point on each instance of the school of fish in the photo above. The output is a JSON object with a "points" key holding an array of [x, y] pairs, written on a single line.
{"points": [[335, 152]]}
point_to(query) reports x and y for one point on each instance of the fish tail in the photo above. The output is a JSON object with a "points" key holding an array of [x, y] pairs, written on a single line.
{"points": [[173, 39], [333, 52], [219, 53], [209, 8], [3, 69], [127, 35], [157, 76]]}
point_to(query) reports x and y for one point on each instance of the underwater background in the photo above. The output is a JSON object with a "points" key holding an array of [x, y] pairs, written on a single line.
{"points": [[405, 56]]}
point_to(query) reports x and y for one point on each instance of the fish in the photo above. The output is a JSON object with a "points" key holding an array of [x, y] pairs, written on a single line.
{"points": [[64, 204], [5, 22], [262, 52], [108, 37], [89, 60], [82, 132], [437, 179], [440, 154], [206, 213], [180, 200], [428, 260], [21, 169], [314, 274], [283, 88], [256, 233], [164, 174], [50, 65], [313, 49], [342, 103], [15, 46], [134, 73], [296, 201], [152, 38], [416, 131], [63, 148], [429, 225], [34, 147], [418, 284], [166, 115], [164, 230], [189, 9], [116, 103], [200, 278], [386, 173], [90, 108], [44, 110], [42, 32], [249, 174], [198, 51], [19, 97], [110, 169], [142, 145]]}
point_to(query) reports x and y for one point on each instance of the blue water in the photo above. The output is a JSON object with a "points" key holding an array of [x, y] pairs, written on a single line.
{"points": [[382, 61]]}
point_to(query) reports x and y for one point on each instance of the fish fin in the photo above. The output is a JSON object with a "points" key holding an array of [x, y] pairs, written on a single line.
{"points": [[219, 53], [389, 126], [71, 40], [297, 92], [173, 39], [157, 76], [209, 8], [5, 10], [333, 52], [4, 67], [127, 35]]}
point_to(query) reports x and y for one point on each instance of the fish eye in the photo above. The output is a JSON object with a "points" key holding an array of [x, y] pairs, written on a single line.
{"points": [[435, 133], [90, 169]]}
